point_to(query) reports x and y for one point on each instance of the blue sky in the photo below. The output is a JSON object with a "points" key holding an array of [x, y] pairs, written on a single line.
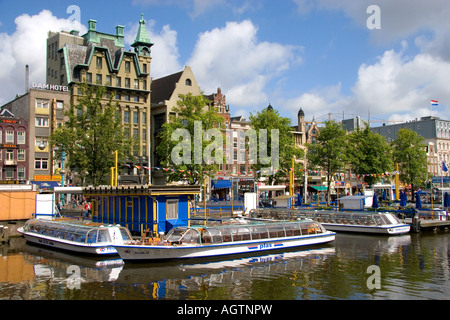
{"points": [[315, 54]]}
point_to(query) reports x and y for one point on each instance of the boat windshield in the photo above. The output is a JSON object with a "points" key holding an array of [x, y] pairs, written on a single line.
{"points": [[234, 233], [72, 231]]}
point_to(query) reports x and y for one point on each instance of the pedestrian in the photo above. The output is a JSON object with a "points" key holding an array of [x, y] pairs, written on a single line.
{"points": [[86, 210]]}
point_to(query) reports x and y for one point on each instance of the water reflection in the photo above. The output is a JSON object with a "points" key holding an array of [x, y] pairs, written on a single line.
{"points": [[412, 266]]}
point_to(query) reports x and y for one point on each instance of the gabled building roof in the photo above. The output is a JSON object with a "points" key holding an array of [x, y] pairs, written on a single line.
{"points": [[163, 88]]}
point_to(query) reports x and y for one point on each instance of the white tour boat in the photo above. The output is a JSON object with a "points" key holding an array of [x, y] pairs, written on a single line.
{"points": [[240, 236], [361, 222], [76, 236]]}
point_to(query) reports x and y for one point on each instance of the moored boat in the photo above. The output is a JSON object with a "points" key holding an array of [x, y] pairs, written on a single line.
{"points": [[361, 222], [238, 237], [76, 236]]}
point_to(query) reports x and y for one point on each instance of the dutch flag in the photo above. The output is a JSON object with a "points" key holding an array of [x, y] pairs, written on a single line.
{"points": [[434, 102]]}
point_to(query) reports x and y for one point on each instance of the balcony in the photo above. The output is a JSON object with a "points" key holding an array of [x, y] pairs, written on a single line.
{"points": [[9, 162]]}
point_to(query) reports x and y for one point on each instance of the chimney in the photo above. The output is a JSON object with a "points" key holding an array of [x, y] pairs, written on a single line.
{"points": [[27, 78]]}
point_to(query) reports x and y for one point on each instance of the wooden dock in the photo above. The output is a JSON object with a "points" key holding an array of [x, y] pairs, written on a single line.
{"points": [[418, 225]]}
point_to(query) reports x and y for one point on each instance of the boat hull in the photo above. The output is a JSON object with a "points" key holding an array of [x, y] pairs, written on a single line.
{"points": [[388, 230], [62, 244], [140, 253]]}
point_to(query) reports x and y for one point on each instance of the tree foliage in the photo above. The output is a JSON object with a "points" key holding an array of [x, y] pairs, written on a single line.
{"points": [[409, 151], [270, 119], [185, 140], [368, 152], [91, 135], [329, 151]]}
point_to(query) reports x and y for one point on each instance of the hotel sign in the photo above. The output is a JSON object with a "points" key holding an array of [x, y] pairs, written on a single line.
{"points": [[50, 87], [55, 177]]}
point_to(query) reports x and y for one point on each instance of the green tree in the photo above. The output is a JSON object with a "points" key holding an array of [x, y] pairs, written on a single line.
{"points": [[409, 151], [329, 151], [91, 135], [369, 153], [279, 132], [188, 136]]}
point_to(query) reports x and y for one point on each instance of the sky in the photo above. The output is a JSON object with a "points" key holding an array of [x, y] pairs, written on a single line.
{"points": [[334, 59]]}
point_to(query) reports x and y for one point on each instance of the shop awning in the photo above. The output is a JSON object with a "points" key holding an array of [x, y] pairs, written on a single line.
{"points": [[320, 188], [46, 184], [222, 184]]}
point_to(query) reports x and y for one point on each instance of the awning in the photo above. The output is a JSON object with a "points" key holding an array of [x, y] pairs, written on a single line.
{"points": [[222, 184], [46, 184], [320, 188]]}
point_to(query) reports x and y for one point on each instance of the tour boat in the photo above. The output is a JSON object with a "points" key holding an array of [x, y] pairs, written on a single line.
{"points": [[361, 222], [238, 236], [76, 236]]}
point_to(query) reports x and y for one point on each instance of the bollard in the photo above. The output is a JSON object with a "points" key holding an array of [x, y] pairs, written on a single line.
{"points": [[415, 224]]}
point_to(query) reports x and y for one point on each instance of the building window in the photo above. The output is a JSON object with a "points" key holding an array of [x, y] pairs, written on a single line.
{"points": [[21, 173], [144, 118], [42, 103], [21, 155], [41, 164], [59, 105], [171, 209], [9, 136], [136, 134], [9, 172], [135, 117], [127, 97], [98, 79], [189, 82], [89, 77], [136, 84], [144, 85], [145, 68], [108, 80], [41, 122], [1, 136], [99, 62], [118, 81], [9, 156], [126, 116], [144, 135], [127, 66], [136, 98], [127, 83], [118, 96], [41, 141], [21, 137]]}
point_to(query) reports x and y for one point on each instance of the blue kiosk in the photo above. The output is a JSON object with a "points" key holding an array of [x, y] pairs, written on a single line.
{"points": [[142, 207]]}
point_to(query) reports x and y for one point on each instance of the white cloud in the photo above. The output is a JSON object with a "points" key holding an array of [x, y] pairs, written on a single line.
{"points": [[234, 59], [394, 87], [27, 45], [398, 84], [165, 55]]}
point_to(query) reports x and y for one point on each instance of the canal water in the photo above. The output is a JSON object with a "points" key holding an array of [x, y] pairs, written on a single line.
{"points": [[354, 267]]}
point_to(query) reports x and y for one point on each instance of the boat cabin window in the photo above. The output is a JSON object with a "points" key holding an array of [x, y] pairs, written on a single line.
{"points": [[191, 236], [125, 234], [103, 236], [92, 236], [226, 234], [276, 231], [174, 235], [211, 235], [309, 228]]}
